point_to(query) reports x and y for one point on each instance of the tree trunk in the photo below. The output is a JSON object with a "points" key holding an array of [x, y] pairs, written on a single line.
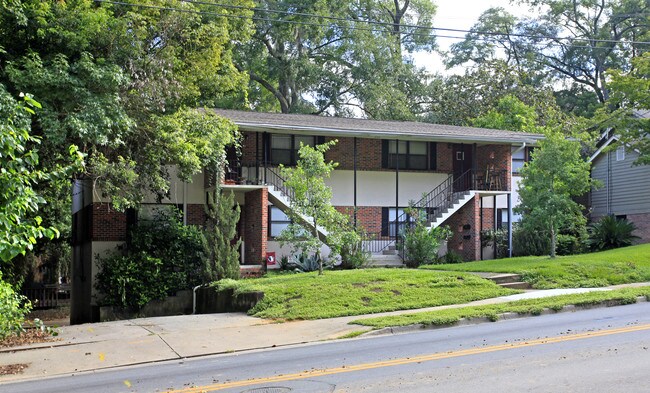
{"points": [[553, 240], [320, 261]]}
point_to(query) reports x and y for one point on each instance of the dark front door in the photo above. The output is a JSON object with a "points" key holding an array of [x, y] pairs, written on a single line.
{"points": [[462, 156]]}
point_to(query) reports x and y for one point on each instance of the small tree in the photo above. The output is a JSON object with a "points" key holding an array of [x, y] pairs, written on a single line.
{"points": [[312, 200], [556, 173], [223, 214], [420, 242]]}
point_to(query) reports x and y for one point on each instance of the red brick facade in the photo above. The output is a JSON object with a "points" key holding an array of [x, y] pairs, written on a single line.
{"points": [[107, 223], [464, 224], [196, 214], [368, 217], [444, 158], [255, 226]]}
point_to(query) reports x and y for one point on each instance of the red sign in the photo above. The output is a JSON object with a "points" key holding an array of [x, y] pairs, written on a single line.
{"points": [[270, 258]]}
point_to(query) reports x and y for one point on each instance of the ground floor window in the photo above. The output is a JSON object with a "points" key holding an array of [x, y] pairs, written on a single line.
{"points": [[278, 221]]}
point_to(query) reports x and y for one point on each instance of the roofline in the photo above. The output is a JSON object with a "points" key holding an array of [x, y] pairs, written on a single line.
{"points": [[327, 131], [602, 147]]}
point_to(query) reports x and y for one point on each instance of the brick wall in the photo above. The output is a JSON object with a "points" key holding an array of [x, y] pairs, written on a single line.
{"points": [[248, 147], [498, 157], [107, 224], [255, 225], [196, 214], [488, 218], [444, 158], [466, 234], [642, 222], [368, 217]]}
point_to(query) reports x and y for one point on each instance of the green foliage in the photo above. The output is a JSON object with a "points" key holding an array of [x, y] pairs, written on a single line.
{"points": [[524, 307], [303, 263], [311, 205], [164, 257], [421, 243], [337, 63], [556, 173], [612, 267], [630, 95], [353, 255], [362, 291], [13, 308], [528, 240], [131, 281], [20, 224], [223, 214], [510, 114], [452, 257], [569, 244], [610, 232]]}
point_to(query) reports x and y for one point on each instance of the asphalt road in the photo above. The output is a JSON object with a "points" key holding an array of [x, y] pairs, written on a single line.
{"points": [[599, 350]]}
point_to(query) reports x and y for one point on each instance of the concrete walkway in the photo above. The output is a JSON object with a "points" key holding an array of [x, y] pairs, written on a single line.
{"points": [[122, 343]]}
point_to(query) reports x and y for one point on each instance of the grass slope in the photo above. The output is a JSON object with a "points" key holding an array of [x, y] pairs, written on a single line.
{"points": [[357, 292], [619, 266], [529, 306]]}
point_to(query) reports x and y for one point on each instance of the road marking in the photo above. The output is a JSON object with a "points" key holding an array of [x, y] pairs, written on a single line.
{"points": [[409, 360]]}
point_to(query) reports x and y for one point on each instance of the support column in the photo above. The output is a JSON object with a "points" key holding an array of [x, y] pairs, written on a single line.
{"points": [[509, 225], [396, 188], [354, 164], [256, 226]]}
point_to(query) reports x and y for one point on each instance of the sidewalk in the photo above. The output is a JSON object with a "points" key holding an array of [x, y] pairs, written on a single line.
{"points": [[122, 343]]}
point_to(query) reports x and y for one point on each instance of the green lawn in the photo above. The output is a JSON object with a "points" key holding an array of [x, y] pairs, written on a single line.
{"points": [[357, 292], [623, 265], [529, 306]]}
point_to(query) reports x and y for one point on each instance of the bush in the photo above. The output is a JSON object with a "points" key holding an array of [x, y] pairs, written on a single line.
{"points": [[500, 236], [420, 243], [527, 241], [569, 245], [131, 281], [164, 256], [609, 233], [13, 308], [353, 256], [452, 257]]}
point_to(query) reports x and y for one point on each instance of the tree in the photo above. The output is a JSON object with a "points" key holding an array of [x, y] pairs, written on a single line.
{"points": [[329, 56], [627, 113], [221, 230], [555, 174], [573, 42], [20, 224], [311, 204]]}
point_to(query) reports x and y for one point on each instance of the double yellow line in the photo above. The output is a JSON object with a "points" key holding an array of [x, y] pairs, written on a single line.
{"points": [[409, 360]]}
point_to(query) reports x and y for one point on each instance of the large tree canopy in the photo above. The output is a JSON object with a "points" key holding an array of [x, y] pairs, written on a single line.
{"points": [[119, 81], [334, 56], [573, 42]]}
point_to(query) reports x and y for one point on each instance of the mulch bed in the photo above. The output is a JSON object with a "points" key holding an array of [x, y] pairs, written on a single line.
{"points": [[31, 336]]}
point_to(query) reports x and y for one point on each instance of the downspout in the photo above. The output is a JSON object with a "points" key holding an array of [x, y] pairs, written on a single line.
{"points": [[185, 203], [354, 153], [509, 225], [194, 297], [607, 181], [396, 188]]}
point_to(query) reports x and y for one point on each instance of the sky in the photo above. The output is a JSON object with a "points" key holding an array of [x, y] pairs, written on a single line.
{"points": [[458, 14]]}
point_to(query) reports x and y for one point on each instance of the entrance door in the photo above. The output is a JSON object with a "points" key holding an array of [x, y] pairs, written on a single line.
{"points": [[462, 156]]}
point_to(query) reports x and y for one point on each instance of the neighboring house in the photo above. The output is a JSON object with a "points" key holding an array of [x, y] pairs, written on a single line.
{"points": [[625, 190], [459, 176]]}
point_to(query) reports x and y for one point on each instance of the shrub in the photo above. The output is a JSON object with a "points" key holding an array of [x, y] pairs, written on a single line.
{"points": [[353, 256], [131, 281], [223, 214], [528, 241], [500, 236], [13, 308], [451, 257], [609, 233], [420, 243], [304, 262], [569, 245], [164, 256]]}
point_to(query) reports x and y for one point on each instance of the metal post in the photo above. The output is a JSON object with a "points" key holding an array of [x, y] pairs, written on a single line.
{"points": [[265, 143], [480, 228], [495, 222], [354, 160], [396, 188], [509, 225], [257, 158]]}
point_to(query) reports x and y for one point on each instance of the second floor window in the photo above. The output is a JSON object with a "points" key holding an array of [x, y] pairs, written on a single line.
{"points": [[284, 148], [414, 155]]}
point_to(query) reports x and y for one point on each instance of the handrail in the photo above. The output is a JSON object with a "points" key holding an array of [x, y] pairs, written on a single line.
{"points": [[273, 178]]}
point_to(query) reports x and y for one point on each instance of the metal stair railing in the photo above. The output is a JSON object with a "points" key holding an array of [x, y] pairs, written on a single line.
{"points": [[433, 204]]}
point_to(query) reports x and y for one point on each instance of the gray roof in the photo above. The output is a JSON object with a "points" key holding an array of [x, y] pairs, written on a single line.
{"points": [[341, 126]]}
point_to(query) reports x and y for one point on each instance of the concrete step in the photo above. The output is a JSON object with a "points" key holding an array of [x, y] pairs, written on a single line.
{"points": [[516, 285], [383, 260], [505, 278], [389, 252], [392, 248]]}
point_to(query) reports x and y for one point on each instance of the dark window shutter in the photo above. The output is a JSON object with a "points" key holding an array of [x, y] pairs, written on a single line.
{"points": [[433, 155], [320, 140], [384, 220], [384, 154]]}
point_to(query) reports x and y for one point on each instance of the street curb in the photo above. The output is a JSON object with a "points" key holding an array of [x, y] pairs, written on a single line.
{"points": [[500, 317]]}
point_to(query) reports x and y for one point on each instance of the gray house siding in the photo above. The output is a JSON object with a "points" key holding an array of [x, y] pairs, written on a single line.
{"points": [[628, 186]]}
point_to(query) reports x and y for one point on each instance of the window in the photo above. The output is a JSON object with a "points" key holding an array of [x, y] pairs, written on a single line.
{"points": [[284, 148], [408, 155], [278, 221], [520, 157], [620, 153]]}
